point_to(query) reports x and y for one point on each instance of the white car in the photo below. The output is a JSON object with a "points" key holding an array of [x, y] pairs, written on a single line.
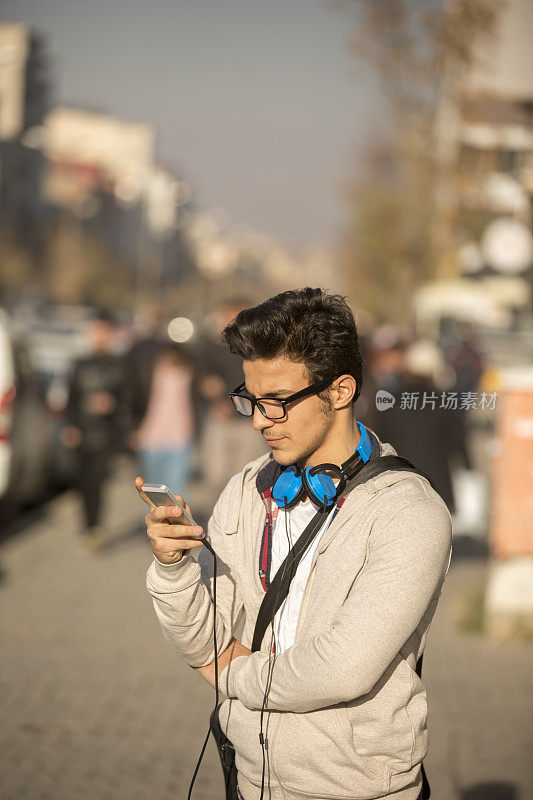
{"points": [[25, 432], [7, 398]]}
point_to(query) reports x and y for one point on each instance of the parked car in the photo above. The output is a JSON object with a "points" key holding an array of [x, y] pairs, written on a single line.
{"points": [[25, 431], [7, 399], [56, 338]]}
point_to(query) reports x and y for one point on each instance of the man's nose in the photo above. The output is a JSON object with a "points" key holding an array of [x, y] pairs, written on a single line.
{"points": [[259, 421]]}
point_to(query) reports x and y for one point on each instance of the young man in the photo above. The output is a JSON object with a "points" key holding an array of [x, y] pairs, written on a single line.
{"points": [[345, 711]]}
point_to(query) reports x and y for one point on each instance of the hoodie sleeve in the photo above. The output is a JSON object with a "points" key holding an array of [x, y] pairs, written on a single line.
{"points": [[182, 593], [406, 563]]}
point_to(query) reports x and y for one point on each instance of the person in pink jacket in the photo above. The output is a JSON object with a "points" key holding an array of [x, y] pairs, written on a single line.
{"points": [[164, 439]]}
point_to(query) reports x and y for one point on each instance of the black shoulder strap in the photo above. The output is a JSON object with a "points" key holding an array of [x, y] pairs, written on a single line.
{"points": [[279, 588], [386, 463]]}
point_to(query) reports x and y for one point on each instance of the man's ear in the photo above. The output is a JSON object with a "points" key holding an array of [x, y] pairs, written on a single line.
{"points": [[344, 389]]}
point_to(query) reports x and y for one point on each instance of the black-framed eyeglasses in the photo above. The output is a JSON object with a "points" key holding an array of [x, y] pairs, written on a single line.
{"points": [[272, 407]]}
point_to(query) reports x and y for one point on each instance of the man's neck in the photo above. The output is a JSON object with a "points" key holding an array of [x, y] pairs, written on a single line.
{"points": [[338, 447]]}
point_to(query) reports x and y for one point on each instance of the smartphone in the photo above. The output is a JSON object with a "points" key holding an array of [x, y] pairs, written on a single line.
{"points": [[160, 495]]}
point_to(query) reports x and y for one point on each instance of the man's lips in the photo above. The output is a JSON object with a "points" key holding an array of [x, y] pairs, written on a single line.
{"points": [[273, 441]]}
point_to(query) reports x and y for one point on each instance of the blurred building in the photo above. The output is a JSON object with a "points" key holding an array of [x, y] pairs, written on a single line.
{"points": [[14, 46], [102, 171], [486, 136], [82, 193], [87, 151], [25, 90]]}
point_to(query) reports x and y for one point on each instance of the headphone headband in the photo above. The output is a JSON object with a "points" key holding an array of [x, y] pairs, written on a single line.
{"points": [[316, 481]]}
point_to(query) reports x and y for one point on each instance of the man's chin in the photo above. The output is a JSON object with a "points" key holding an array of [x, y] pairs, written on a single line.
{"points": [[283, 459], [283, 453]]}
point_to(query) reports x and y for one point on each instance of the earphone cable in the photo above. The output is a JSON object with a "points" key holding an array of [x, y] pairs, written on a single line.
{"points": [[270, 672], [261, 737], [207, 544], [288, 531]]}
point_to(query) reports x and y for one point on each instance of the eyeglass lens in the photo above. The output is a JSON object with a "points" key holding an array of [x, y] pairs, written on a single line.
{"points": [[272, 409], [242, 405]]}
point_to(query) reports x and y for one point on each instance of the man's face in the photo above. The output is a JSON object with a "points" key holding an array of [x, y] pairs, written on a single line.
{"points": [[307, 423]]}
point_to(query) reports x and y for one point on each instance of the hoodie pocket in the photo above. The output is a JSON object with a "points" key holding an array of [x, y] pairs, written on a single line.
{"points": [[314, 753], [387, 725]]}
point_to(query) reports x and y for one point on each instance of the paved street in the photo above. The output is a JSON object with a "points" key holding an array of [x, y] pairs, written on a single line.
{"points": [[95, 706]]}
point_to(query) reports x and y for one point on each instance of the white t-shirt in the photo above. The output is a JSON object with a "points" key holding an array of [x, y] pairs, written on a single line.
{"points": [[289, 527]]}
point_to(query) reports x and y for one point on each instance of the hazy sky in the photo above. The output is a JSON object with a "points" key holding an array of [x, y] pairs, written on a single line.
{"points": [[257, 102]]}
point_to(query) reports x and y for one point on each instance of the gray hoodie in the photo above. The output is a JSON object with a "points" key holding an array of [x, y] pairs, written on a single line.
{"points": [[347, 712]]}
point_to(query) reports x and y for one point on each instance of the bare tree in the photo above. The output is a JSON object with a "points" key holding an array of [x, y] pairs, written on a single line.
{"points": [[401, 226]]}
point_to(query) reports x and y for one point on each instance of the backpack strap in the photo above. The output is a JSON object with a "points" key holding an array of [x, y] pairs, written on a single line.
{"points": [[386, 463]]}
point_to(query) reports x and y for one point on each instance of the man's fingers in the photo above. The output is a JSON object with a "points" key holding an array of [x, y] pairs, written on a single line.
{"points": [[168, 546], [165, 542], [173, 514], [163, 530]]}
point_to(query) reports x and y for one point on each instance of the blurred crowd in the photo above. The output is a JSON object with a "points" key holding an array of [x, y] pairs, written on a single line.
{"points": [[167, 404], [114, 387]]}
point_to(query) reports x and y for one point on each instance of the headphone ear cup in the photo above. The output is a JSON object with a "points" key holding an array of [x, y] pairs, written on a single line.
{"points": [[288, 488], [319, 486]]}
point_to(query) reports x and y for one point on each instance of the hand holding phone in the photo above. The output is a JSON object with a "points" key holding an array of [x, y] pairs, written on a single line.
{"points": [[170, 525]]}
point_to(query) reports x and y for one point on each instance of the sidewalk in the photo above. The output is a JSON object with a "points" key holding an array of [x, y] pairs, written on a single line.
{"points": [[96, 707]]}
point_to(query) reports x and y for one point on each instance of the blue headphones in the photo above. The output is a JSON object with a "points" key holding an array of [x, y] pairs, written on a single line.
{"points": [[317, 482]]}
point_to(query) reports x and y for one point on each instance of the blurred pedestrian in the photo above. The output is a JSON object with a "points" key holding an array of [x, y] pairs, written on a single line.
{"points": [[388, 345], [164, 438], [465, 357], [140, 361], [382, 353], [430, 436], [227, 441], [96, 420]]}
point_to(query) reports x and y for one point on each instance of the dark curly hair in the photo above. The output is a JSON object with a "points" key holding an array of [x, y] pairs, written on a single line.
{"points": [[305, 325]]}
